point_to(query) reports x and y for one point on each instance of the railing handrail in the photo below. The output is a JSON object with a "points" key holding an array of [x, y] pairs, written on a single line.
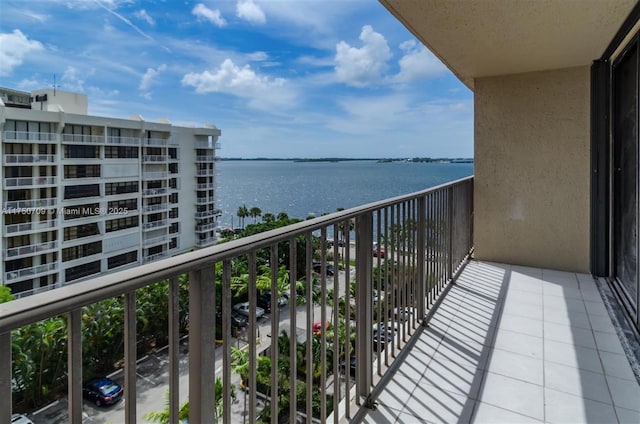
{"points": [[34, 308]]}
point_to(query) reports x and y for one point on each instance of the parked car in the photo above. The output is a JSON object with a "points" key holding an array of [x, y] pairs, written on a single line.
{"points": [[20, 419], [264, 300], [317, 267], [382, 337], [102, 391], [352, 366], [378, 251], [404, 314], [243, 309], [237, 320]]}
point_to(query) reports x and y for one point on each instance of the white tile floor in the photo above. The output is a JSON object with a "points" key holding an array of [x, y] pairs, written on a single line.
{"points": [[512, 344]]}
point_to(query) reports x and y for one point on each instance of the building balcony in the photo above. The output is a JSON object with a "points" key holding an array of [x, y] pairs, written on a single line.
{"points": [[452, 340], [204, 200], [123, 141], [155, 257], [209, 241], [155, 208], [154, 158], [155, 224], [205, 186], [22, 251], [209, 213], [205, 159], [205, 172], [82, 139], [10, 159], [201, 228], [27, 205], [30, 137], [22, 182], [154, 192], [27, 227], [33, 272]]}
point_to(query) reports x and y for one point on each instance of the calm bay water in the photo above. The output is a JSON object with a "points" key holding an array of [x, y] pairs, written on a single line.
{"points": [[312, 188]]}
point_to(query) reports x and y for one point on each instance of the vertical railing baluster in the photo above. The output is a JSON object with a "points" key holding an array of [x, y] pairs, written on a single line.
{"points": [[450, 232], [421, 258], [309, 329], [130, 357], [174, 349], [323, 321], [364, 254], [347, 314], [293, 344], [5, 377], [202, 334], [275, 324], [336, 330], [74, 364], [253, 325], [380, 319], [226, 346]]}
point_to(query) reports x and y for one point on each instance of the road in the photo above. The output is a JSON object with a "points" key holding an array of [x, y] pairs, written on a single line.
{"points": [[153, 378]]}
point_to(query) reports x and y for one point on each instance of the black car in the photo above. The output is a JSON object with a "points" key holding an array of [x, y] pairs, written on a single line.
{"points": [[352, 366], [317, 267], [102, 391], [237, 320], [264, 300]]}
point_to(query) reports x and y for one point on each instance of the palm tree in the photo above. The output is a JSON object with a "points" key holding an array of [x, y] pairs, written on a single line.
{"points": [[268, 217], [254, 213], [282, 216], [242, 213]]}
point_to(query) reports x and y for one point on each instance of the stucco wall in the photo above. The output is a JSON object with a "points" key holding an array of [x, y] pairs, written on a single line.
{"points": [[532, 169]]}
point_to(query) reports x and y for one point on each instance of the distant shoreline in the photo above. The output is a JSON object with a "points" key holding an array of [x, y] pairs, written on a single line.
{"points": [[380, 160]]}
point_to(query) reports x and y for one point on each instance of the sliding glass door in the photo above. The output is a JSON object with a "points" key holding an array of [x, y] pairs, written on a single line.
{"points": [[625, 212]]}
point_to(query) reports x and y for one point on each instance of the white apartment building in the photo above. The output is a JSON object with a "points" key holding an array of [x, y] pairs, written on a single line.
{"points": [[83, 195]]}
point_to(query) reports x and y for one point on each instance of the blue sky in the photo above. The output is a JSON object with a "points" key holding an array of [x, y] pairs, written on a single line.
{"points": [[299, 78]]}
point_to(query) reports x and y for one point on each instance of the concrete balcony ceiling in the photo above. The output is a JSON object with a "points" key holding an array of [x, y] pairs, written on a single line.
{"points": [[479, 38]]}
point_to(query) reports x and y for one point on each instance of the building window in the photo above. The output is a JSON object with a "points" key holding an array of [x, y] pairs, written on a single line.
{"points": [[80, 231], [122, 206], [79, 191], [121, 224], [121, 152], [121, 188], [73, 151], [82, 171], [123, 259], [83, 270], [173, 198], [77, 252]]}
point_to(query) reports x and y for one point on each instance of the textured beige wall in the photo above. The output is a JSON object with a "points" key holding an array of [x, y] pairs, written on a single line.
{"points": [[532, 169]]}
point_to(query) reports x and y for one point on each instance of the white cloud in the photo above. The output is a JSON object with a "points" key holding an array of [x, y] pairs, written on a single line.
{"points": [[258, 56], [143, 15], [71, 81], [417, 63], [213, 16], [251, 12], [14, 47], [262, 92], [148, 80], [362, 66]]}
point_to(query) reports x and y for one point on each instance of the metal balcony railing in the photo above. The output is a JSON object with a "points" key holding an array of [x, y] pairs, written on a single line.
{"points": [[20, 205], [208, 158], [128, 141], [154, 191], [29, 272], [155, 240], [155, 208], [205, 186], [409, 248], [204, 172], [83, 138], [204, 200], [31, 136], [30, 226], [155, 175], [22, 158], [206, 227], [155, 141], [28, 181], [16, 252], [154, 158]]}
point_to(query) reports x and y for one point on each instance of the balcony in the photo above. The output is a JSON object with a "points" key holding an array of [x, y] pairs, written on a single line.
{"points": [[155, 208], [155, 257], [445, 214], [155, 241], [205, 172], [155, 141], [32, 272], [123, 141], [204, 200], [209, 213], [205, 159], [155, 175], [205, 186], [30, 137], [22, 182], [82, 138], [155, 224], [154, 158], [30, 226], [201, 228], [22, 251], [154, 192], [27, 205], [10, 159]]}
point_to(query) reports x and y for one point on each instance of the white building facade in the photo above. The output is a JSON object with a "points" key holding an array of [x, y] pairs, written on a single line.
{"points": [[82, 195]]}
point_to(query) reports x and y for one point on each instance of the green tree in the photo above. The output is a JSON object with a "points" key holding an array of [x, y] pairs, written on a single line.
{"points": [[5, 293], [268, 217], [254, 213], [282, 216], [242, 213]]}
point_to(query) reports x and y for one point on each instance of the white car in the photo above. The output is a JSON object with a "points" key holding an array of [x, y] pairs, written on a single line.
{"points": [[20, 419], [243, 308]]}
